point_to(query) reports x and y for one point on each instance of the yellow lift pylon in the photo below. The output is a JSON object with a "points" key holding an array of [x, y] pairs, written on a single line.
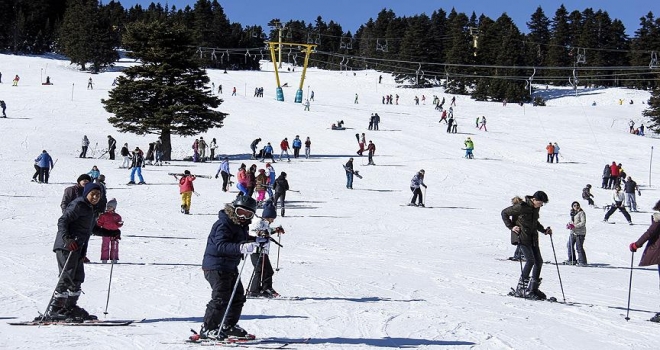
{"points": [[277, 46]]}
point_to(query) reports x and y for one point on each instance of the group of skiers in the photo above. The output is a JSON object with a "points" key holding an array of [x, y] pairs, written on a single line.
{"points": [[267, 151], [553, 152]]}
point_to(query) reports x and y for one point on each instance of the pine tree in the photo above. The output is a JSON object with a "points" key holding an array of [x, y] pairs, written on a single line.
{"points": [[560, 45], [168, 93], [653, 111]]}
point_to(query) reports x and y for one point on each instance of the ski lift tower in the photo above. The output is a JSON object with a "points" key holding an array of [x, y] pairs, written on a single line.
{"points": [[278, 46]]}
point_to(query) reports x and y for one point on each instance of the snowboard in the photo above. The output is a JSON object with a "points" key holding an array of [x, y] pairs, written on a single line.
{"points": [[356, 173]]}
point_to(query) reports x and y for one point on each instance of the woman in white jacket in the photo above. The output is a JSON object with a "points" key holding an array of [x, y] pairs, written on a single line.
{"points": [[617, 198], [578, 228]]}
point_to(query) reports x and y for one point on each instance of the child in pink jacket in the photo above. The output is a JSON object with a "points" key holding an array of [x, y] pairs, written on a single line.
{"points": [[110, 221]]}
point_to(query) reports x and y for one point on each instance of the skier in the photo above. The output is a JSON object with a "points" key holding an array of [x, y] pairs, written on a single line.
{"points": [[306, 105], [630, 187], [551, 151], [75, 191], [607, 172], [284, 146], [518, 254], [110, 221], [261, 284], [251, 179], [224, 171], [280, 187], [356, 99], [371, 148], [586, 195], [270, 171], [213, 146], [45, 163], [453, 101], [242, 180], [261, 183], [74, 228], [469, 147], [136, 166], [376, 121], [578, 230], [631, 124], [15, 81], [195, 148], [450, 123], [483, 123], [297, 144], [253, 147], [202, 149], [349, 173], [90, 85], [526, 227], [3, 105], [126, 155], [614, 175], [555, 152], [415, 183], [311, 97], [112, 145], [267, 152], [158, 151], [651, 255], [94, 173], [186, 189], [308, 145], [85, 145], [361, 143], [618, 198], [225, 247], [233, 92], [220, 89]]}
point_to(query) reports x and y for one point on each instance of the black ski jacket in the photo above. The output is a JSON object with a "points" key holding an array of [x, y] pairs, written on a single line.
{"points": [[527, 218]]}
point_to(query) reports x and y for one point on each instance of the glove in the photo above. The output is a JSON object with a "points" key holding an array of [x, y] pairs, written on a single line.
{"points": [[279, 229], [633, 247], [548, 231], [216, 176], [424, 186], [71, 244], [570, 226], [249, 248]]}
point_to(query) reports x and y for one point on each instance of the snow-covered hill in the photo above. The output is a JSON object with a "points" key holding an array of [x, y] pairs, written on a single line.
{"points": [[370, 272]]}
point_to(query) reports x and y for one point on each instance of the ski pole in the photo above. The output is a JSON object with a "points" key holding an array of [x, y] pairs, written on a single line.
{"points": [[107, 300], [233, 293], [59, 279], [632, 258], [279, 245], [557, 265], [254, 271], [521, 273]]}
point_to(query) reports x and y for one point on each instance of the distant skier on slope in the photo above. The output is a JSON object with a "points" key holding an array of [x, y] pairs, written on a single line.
{"points": [[415, 186]]}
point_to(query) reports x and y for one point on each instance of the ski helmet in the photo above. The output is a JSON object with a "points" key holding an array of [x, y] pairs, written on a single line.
{"points": [[245, 202]]}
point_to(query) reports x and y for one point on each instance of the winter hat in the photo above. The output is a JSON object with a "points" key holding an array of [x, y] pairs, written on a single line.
{"points": [[186, 172], [269, 210], [541, 196], [421, 171], [90, 187], [282, 174], [262, 171], [112, 204], [84, 177]]}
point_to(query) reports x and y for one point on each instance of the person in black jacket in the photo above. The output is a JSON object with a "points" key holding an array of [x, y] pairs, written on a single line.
{"points": [[280, 187], [527, 226], [253, 147], [74, 228], [75, 191], [112, 145], [225, 248]]}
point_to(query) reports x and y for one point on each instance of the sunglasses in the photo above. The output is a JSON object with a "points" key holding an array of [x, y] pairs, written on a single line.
{"points": [[244, 213], [576, 205]]}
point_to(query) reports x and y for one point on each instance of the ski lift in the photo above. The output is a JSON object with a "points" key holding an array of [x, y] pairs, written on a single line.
{"points": [[342, 44], [289, 35], [213, 57], [247, 56], [309, 38], [654, 60], [529, 82], [318, 39], [222, 58], [349, 44], [255, 35], [201, 53], [262, 54], [581, 55]]}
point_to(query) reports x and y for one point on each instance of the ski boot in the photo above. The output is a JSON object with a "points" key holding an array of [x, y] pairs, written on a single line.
{"points": [[533, 291], [270, 293], [521, 288], [655, 318], [56, 309], [76, 313], [235, 332]]}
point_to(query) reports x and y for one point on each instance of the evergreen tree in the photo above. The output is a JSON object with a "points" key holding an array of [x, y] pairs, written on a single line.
{"points": [[559, 48], [539, 34], [653, 111], [168, 93], [646, 40], [459, 52], [86, 36]]}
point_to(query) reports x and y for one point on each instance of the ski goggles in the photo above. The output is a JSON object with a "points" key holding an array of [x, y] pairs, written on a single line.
{"points": [[244, 214]]}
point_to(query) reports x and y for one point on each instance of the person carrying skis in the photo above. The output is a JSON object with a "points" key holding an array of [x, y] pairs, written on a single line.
{"points": [[224, 171], [186, 189], [109, 222], [261, 285], [578, 230], [618, 198], [74, 228], [415, 186], [226, 246], [280, 187], [526, 227], [586, 195], [651, 255], [349, 173]]}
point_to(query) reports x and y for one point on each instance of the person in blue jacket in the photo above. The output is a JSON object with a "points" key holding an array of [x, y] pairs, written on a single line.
{"points": [[225, 248], [45, 164], [267, 152], [224, 171], [297, 145]]}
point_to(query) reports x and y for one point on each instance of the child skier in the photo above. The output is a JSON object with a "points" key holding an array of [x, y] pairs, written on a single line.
{"points": [[186, 190], [261, 284], [586, 195], [94, 173], [110, 221]]}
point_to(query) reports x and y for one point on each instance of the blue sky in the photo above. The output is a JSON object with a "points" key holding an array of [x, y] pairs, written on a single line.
{"points": [[350, 14]]}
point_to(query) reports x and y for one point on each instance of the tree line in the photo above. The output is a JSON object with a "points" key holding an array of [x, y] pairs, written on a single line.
{"points": [[489, 59]]}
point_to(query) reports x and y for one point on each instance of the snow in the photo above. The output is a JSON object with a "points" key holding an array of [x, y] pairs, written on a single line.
{"points": [[369, 271]]}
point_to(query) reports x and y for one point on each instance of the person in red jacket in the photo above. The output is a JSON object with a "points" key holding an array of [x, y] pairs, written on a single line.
{"points": [[614, 175], [284, 145], [651, 255], [186, 190], [371, 148], [110, 221]]}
